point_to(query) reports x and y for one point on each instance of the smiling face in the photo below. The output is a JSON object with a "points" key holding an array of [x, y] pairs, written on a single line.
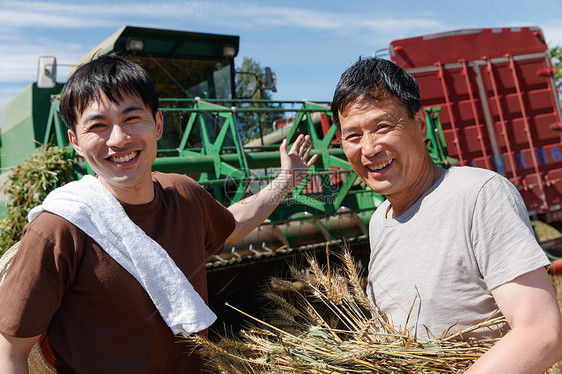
{"points": [[119, 141], [386, 147]]}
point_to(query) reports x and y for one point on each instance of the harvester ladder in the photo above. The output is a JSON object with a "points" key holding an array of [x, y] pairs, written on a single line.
{"points": [[504, 132], [449, 105], [475, 114], [528, 135]]}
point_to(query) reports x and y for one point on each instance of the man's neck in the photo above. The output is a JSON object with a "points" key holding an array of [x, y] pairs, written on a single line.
{"points": [[399, 204], [132, 195]]}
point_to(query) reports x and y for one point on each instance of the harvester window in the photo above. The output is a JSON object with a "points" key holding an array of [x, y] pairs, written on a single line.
{"points": [[188, 78]]}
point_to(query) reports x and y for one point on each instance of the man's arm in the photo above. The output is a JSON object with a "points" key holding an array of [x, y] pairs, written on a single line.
{"points": [[252, 211], [14, 353], [535, 341]]}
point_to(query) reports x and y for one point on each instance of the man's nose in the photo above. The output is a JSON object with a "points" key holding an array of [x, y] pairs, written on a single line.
{"points": [[118, 136], [369, 145]]}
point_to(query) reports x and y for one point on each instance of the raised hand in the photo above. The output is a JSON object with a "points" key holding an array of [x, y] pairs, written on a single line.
{"points": [[295, 162], [252, 211]]}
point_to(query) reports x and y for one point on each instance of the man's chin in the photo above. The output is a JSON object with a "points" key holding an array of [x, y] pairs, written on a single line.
{"points": [[121, 181], [382, 188]]}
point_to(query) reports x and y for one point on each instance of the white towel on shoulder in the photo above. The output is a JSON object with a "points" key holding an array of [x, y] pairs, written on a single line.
{"points": [[91, 207]]}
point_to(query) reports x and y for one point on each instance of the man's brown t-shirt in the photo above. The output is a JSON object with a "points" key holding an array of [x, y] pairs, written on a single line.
{"points": [[99, 319]]}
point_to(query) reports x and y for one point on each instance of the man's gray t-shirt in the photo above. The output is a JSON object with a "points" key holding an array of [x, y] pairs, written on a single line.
{"points": [[468, 234]]}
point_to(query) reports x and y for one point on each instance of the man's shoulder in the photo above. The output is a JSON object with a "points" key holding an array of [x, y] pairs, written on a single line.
{"points": [[47, 221], [178, 185], [470, 173], [466, 184], [468, 179], [51, 230], [172, 178], [175, 181]]}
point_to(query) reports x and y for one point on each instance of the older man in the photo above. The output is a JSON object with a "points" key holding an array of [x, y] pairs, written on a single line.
{"points": [[448, 247]]}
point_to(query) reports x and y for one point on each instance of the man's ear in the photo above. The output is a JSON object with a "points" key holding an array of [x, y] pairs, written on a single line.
{"points": [[74, 141], [420, 120], [159, 119]]}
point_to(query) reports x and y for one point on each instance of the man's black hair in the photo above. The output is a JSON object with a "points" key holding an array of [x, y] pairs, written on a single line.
{"points": [[374, 78], [110, 75]]}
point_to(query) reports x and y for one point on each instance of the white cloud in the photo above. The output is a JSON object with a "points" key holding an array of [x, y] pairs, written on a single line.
{"points": [[553, 33], [43, 14], [233, 14], [16, 18], [20, 65]]}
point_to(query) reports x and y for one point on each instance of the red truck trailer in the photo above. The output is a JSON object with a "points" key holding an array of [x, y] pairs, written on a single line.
{"points": [[499, 105]]}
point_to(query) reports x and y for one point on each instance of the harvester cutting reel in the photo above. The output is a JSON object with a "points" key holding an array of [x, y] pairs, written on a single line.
{"points": [[204, 139]]}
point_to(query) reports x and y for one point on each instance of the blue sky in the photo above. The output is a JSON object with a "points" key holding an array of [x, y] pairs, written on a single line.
{"points": [[308, 44]]}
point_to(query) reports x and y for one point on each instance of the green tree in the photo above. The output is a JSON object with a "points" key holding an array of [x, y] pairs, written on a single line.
{"points": [[248, 76], [250, 86]]}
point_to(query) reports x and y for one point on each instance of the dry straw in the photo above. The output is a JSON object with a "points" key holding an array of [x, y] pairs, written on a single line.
{"points": [[322, 322]]}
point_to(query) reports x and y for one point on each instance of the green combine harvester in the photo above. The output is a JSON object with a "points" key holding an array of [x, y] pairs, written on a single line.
{"points": [[195, 76]]}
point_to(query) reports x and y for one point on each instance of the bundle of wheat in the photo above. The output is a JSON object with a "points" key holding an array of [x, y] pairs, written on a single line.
{"points": [[323, 322]]}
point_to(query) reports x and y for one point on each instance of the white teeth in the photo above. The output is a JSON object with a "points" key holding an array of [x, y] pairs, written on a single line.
{"points": [[379, 166], [124, 158]]}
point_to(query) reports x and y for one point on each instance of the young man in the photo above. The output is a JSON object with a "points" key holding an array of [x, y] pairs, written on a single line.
{"points": [[448, 247], [97, 305]]}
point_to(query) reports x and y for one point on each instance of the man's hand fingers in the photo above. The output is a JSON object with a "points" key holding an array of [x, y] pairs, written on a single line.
{"points": [[283, 147], [312, 161], [307, 151], [297, 144]]}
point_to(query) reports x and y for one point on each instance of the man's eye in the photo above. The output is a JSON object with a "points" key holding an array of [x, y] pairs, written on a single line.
{"points": [[96, 126], [132, 118], [351, 137]]}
